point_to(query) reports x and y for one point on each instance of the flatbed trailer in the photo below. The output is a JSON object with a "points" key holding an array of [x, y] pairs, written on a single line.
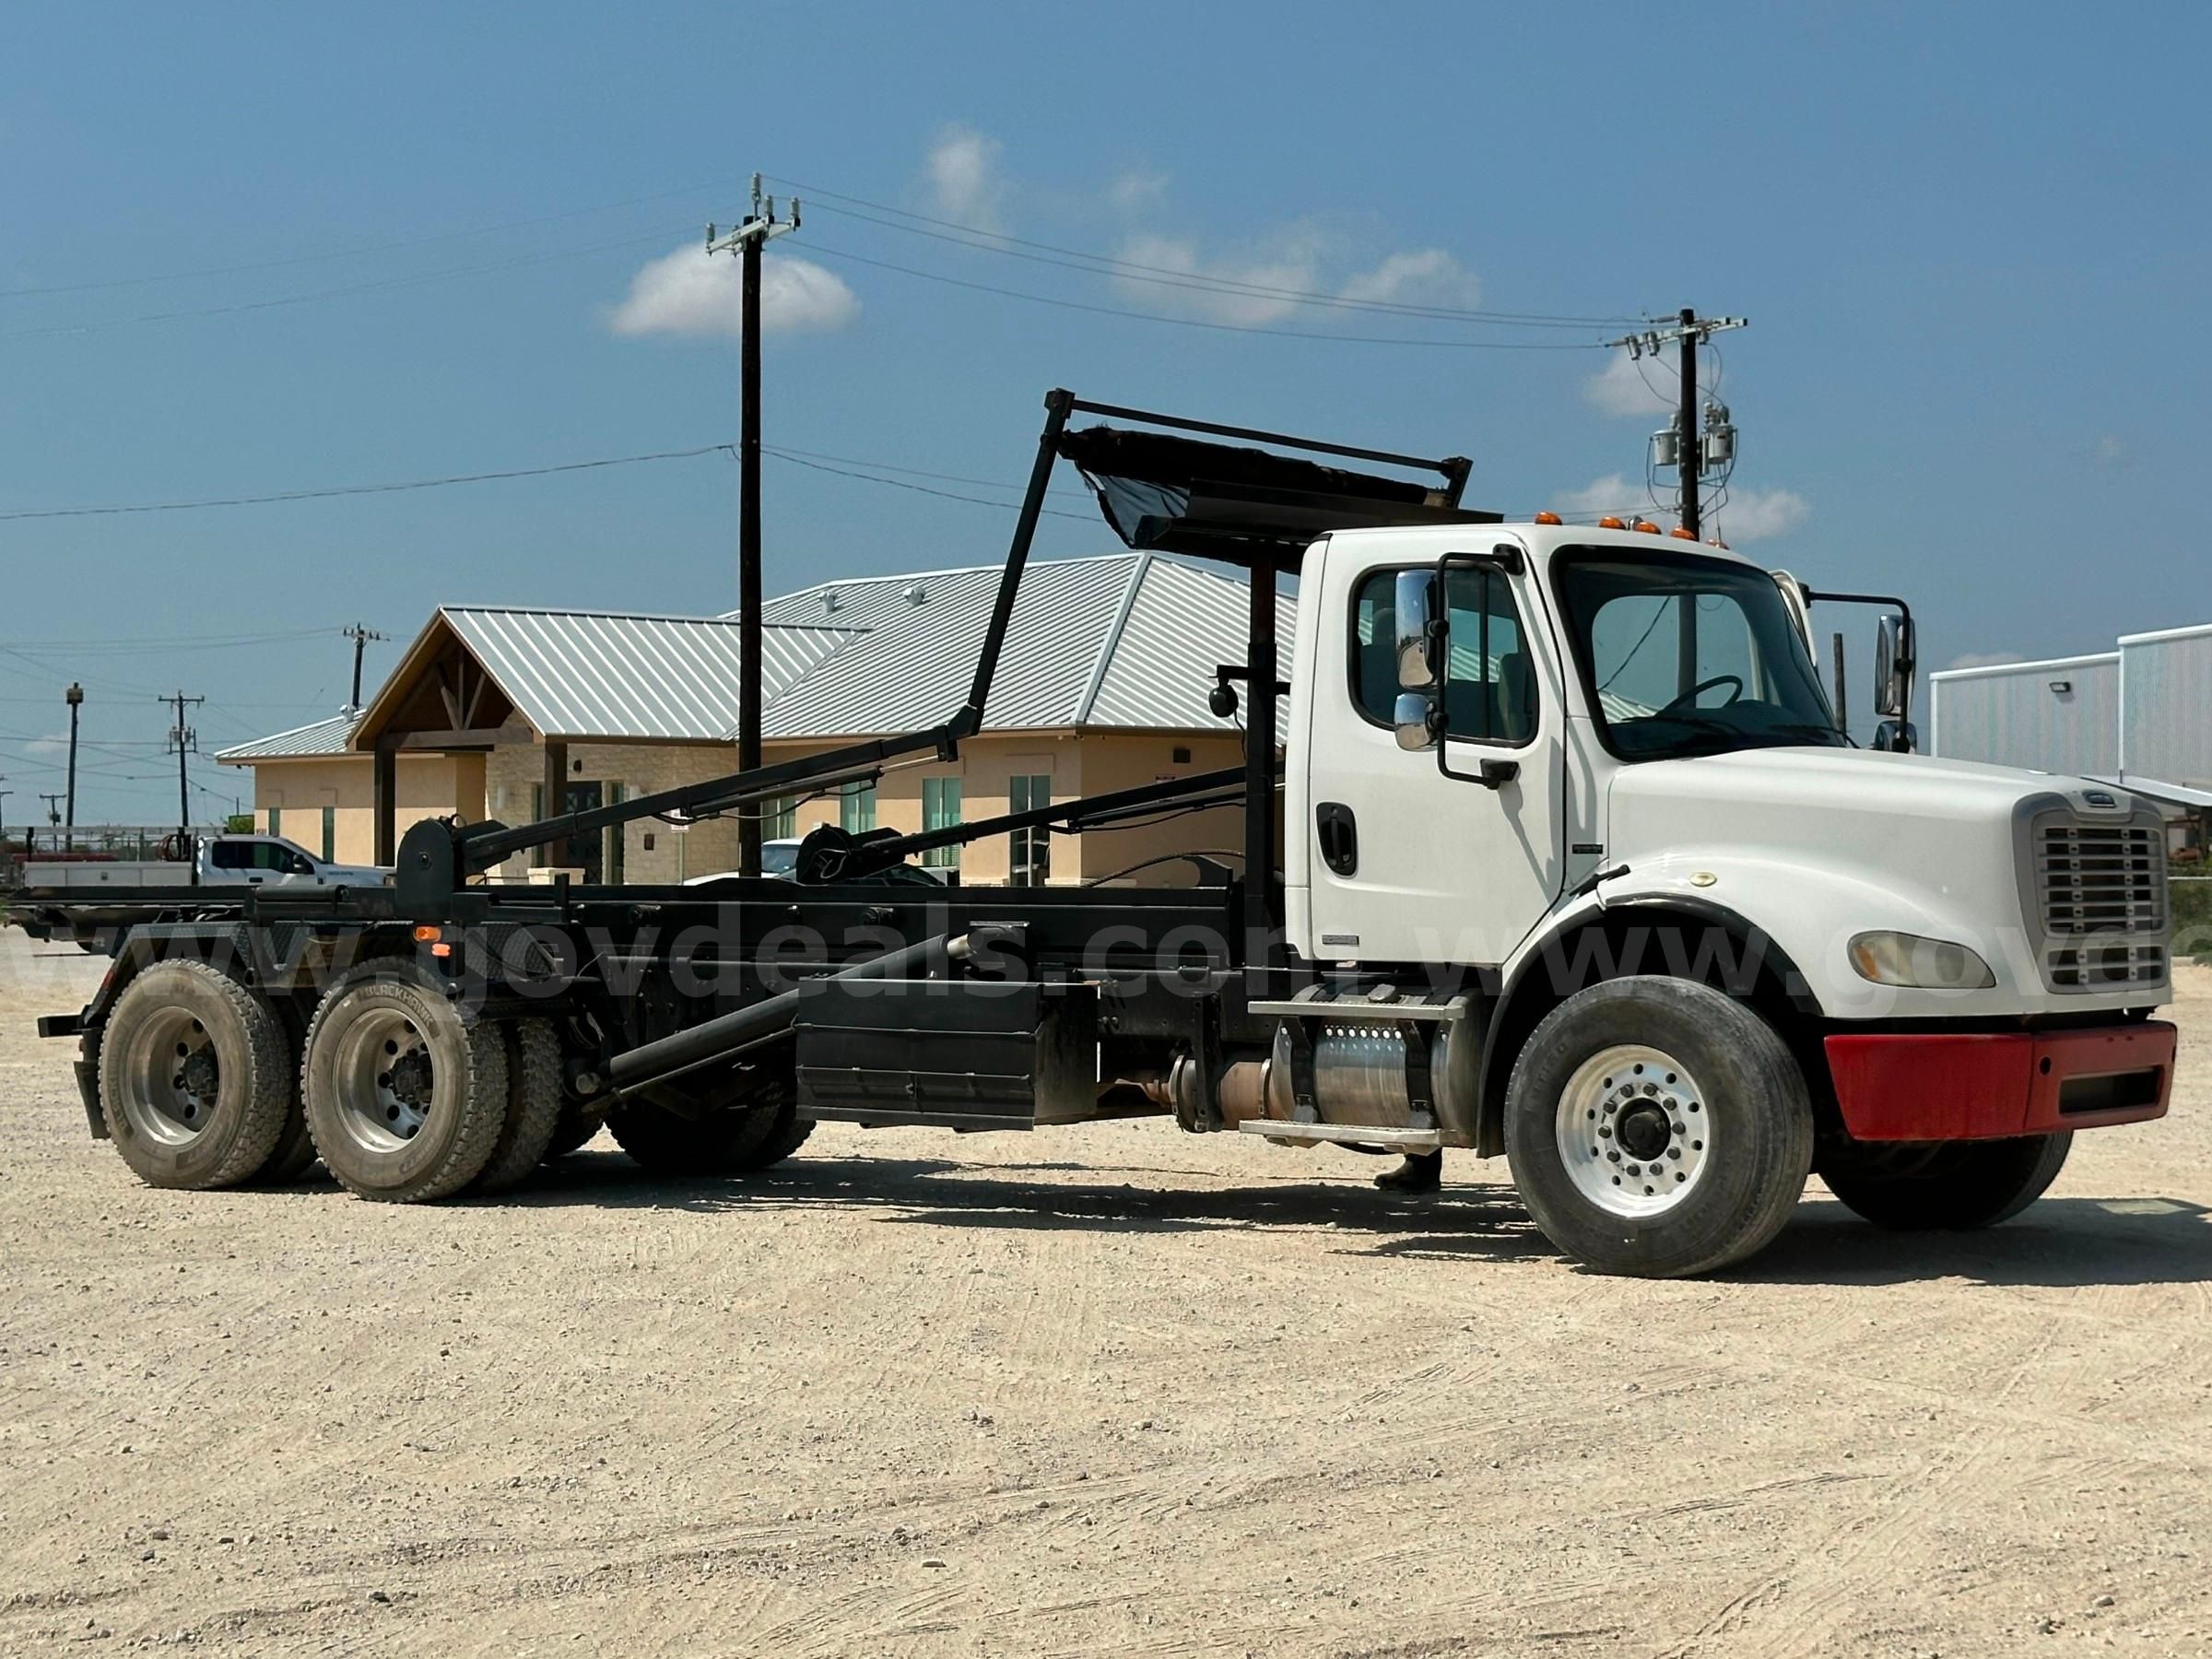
{"points": [[1659, 1058]]}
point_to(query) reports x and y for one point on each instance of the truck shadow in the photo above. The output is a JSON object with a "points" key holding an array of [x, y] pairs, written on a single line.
{"points": [[2058, 1242], [1482, 1219]]}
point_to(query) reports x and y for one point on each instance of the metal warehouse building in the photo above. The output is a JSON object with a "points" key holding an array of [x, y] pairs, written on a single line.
{"points": [[2140, 715]]}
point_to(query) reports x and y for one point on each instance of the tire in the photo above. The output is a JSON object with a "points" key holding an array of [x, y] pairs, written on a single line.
{"points": [[193, 1077], [1682, 1093], [763, 1129], [295, 1153], [573, 1130], [1974, 1184], [402, 1138], [532, 1104]]}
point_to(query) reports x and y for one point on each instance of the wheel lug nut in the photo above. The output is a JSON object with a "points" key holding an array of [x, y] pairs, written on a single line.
{"points": [[1613, 1157], [1635, 1169], [1673, 1152]]}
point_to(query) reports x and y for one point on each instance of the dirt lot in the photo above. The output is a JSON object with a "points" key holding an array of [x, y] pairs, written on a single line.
{"points": [[1110, 1389]]}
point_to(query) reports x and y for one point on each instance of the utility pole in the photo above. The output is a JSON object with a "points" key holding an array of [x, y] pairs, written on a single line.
{"points": [[746, 241], [185, 741], [361, 636], [74, 697], [53, 809], [1681, 447]]}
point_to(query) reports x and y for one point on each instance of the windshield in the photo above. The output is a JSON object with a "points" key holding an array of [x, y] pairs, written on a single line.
{"points": [[1688, 656]]}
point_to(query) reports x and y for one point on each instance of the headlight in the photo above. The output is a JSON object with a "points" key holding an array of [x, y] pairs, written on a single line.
{"points": [[1903, 959]]}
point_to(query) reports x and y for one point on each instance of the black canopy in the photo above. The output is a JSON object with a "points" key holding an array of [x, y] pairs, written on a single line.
{"points": [[1239, 504]]}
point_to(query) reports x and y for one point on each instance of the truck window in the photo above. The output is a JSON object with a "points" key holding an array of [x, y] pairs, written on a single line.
{"points": [[1489, 684], [231, 855], [1685, 654]]}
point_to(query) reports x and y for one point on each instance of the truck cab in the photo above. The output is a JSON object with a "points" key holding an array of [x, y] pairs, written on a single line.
{"points": [[1530, 759]]}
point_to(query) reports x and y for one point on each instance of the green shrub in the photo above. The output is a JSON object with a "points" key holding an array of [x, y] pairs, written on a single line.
{"points": [[2192, 906]]}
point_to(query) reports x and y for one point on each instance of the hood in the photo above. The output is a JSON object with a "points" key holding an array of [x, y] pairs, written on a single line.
{"points": [[1854, 784], [1815, 845]]}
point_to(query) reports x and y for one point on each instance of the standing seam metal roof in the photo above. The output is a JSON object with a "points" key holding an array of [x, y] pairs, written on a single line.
{"points": [[302, 743], [578, 673]]}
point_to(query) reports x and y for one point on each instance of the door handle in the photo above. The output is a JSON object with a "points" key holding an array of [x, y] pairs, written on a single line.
{"points": [[1338, 834]]}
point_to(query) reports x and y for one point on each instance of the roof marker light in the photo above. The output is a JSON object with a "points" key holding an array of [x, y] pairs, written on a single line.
{"points": [[1683, 533], [1549, 518], [1611, 522], [1646, 527]]}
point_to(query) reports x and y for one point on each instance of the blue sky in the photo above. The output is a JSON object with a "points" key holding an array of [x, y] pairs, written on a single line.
{"points": [[1972, 242]]}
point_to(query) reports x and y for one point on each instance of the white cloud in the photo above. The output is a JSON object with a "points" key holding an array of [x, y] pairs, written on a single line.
{"points": [[1755, 515], [2108, 451], [53, 743], [1748, 515], [693, 292], [1132, 192], [964, 179], [1634, 386], [1613, 493], [1288, 259], [1983, 659], [1430, 276]]}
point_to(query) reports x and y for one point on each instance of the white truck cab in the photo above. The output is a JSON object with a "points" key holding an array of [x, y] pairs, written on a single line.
{"points": [[1518, 753]]}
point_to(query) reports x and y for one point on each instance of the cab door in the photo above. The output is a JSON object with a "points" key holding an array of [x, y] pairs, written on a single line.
{"points": [[1410, 861]]}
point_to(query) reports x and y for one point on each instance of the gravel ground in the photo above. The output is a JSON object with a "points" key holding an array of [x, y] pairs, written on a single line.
{"points": [[1110, 1388]]}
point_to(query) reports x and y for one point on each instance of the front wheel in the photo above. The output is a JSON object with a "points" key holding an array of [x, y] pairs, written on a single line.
{"points": [[1657, 1129], [1958, 1188]]}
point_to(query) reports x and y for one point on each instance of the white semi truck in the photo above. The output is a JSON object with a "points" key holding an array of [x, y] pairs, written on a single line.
{"points": [[1560, 855]]}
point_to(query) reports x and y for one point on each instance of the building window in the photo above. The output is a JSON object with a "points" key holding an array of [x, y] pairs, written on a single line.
{"points": [[941, 810], [1032, 861], [330, 835], [780, 817], [612, 858], [857, 808], [275, 820]]}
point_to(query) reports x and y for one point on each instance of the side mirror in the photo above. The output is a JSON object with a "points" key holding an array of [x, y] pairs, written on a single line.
{"points": [[1414, 716], [1414, 608], [1893, 666]]}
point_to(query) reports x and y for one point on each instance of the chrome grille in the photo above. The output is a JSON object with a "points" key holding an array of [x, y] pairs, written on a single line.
{"points": [[2100, 895]]}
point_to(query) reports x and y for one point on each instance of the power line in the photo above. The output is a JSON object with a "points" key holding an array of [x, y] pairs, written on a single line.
{"points": [[918, 488], [381, 283], [992, 240], [357, 490], [413, 242], [1242, 328]]}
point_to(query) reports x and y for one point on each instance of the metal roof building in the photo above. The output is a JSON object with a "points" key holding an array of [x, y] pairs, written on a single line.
{"points": [[1103, 682], [2140, 715], [2060, 714]]}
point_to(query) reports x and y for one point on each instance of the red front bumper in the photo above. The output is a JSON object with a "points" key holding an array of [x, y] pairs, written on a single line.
{"points": [[1911, 1086]]}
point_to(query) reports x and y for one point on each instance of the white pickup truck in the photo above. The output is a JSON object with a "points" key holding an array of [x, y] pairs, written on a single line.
{"points": [[217, 861]]}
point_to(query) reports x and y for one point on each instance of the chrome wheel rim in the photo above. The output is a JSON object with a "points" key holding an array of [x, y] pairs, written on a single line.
{"points": [[173, 1079], [1634, 1131], [384, 1080]]}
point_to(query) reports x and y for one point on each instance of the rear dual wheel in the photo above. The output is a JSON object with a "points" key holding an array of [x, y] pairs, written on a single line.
{"points": [[196, 1078], [756, 1128], [406, 1098]]}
